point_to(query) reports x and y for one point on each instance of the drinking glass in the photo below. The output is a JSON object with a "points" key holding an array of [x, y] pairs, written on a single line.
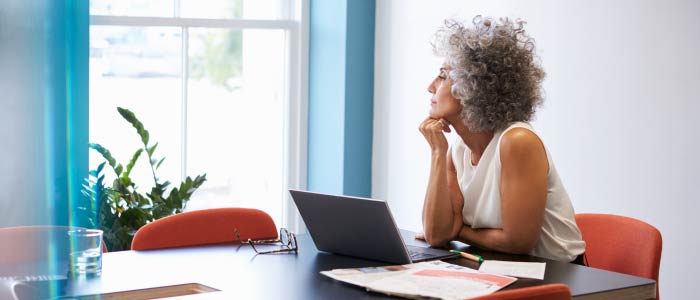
{"points": [[85, 251]]}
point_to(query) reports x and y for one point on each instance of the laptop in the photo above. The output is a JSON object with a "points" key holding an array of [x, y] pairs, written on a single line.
{"points": [[360, 227]]}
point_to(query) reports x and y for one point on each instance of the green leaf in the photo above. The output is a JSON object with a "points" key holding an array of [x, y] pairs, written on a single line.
{"points": [[105, 154], [152, 149], [118, 169], [132, 162], [159, 163], [131, 118], [165, 185]]}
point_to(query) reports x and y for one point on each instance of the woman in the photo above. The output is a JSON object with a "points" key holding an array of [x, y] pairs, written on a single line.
{"points": [[496, 186]]}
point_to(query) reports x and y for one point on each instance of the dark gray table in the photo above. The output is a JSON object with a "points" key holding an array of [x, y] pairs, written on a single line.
{"points": [[237, 271]]}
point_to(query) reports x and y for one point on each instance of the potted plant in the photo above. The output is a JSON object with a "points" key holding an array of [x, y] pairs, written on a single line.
{"points": [[121, 208]]}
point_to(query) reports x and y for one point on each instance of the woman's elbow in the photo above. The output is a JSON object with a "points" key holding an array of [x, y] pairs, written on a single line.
{"points": [[435, 240], [523, 246]]}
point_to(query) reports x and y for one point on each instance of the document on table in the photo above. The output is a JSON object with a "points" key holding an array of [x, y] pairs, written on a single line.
{"points": [[514, 268], [434, 279]]}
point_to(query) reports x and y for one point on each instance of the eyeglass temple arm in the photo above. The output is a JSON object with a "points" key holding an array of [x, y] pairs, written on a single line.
{"points": [[275, 251], [263, 241], [238, 237], [288, 248], [278, 250]]}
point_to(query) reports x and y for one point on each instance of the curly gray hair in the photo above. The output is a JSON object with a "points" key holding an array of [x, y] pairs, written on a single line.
{"points": [[495, 72]]}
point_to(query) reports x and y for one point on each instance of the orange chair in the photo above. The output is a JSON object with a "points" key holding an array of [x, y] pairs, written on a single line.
{"points": [[621, 244], [29, 243], [201, 227], [554, 291]]}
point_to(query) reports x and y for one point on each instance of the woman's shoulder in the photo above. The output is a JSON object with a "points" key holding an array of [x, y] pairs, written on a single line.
{"points": [[520, 140]]}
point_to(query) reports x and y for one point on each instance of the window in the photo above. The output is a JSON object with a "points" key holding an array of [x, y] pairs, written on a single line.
{"points": [[218, 84]]}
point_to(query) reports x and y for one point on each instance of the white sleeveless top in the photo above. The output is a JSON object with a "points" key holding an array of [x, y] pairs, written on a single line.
{"points": [[560, 238]]}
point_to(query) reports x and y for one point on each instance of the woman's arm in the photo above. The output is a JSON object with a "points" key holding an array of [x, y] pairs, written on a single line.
{"points": [[442, 207], [524, 169]]}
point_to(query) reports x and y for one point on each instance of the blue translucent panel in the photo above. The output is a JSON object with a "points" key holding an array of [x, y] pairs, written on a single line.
{"points": [[44, 88]]}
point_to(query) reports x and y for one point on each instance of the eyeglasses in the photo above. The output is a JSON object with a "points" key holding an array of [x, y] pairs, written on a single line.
{"points": [[287, 240]]}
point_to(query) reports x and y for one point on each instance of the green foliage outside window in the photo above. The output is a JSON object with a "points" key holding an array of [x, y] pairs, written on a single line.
{"points": [[221, 58]]}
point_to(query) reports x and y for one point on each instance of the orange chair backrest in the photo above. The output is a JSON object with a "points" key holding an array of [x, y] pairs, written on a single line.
{"points": [[207, 226], [554, 291], [621, 244], [31, 250], [24, 244]]}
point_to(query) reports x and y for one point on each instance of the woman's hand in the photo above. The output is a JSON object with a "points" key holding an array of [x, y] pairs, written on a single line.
{"points": [[432, 130]]}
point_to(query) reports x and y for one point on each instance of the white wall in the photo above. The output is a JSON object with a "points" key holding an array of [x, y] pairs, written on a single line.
{"points": [[621, 93]]}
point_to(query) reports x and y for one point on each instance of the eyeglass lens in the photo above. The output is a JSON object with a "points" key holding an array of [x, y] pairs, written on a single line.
{"points": [[284, 236]]}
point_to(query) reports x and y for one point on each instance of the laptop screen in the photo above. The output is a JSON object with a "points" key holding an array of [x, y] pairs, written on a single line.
{"points": [[353, 226]]}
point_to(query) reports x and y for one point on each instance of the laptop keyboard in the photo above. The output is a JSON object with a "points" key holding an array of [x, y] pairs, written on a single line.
{"points": [[418, 253]]}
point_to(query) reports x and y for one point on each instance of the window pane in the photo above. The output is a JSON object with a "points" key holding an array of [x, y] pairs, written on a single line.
{"points": [[133, 8], [225, 9], [235, 124], [138, 69]]}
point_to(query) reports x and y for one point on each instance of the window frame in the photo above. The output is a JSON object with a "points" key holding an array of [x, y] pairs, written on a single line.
{"points": [[296, 28]]}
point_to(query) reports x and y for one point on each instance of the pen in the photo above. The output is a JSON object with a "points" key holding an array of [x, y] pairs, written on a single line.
{"points": [[469, 256]]}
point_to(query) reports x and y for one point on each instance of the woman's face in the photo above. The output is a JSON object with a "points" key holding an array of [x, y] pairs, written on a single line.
{"points": [[442, 103]]}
